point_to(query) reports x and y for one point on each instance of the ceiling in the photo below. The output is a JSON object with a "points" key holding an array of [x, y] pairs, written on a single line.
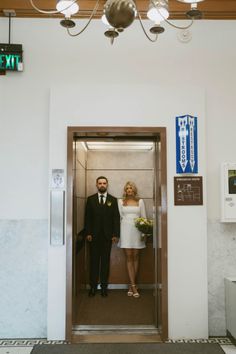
{"points": [[212, 9]]}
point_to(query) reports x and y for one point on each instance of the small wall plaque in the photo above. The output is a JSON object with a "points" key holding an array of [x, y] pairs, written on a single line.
{"points": [[58, 181], [188, 190]]}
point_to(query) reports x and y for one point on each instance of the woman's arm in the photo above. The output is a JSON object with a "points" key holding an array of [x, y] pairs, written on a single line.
{"points": [[142, 209], [120, 206]]}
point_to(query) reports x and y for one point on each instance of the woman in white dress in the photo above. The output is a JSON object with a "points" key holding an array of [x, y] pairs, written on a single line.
{"points": [[131, 207]]}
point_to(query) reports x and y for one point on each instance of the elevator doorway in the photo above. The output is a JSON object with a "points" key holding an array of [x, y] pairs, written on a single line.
{"points": [[139, 155]]}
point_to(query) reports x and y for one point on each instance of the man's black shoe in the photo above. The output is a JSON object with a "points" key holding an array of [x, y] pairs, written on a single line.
{"points": [[104, 292], [92, 292]]}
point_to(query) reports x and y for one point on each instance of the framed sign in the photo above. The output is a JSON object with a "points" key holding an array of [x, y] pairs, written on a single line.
{"points": [[11, 57], [188, 190]]}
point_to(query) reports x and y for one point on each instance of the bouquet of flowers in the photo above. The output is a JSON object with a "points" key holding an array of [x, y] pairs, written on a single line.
{"points": [[144, 225]]}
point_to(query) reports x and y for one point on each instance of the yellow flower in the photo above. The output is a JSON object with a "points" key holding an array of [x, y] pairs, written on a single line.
{"points": [[109, 204]]}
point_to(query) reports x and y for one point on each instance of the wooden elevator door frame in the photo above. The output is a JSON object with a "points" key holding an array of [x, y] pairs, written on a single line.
{"points": [[157, 134]]}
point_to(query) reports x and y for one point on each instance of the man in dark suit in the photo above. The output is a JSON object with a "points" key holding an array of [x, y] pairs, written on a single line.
{"points": [[102, 226]]}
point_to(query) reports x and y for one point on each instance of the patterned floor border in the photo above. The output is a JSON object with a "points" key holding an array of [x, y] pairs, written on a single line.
{"points": [[218, 340], [32, 342], [28, 342]]}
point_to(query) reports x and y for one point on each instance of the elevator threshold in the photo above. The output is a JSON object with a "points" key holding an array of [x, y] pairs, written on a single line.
{"points": [[115, 334]]}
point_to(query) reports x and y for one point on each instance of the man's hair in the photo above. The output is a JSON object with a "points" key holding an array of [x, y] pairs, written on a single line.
{"points": [[101, 177]]}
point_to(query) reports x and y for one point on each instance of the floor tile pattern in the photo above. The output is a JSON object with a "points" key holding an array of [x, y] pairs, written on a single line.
{"points": [[24, 346]]}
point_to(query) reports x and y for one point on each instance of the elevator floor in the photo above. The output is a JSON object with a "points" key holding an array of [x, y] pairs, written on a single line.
{"points": [[116, 309]]}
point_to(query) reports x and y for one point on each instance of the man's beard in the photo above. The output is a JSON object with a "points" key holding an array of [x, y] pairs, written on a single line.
{"points": [[102, 189]]}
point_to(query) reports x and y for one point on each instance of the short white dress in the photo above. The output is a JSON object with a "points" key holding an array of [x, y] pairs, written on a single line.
{"points": [[130, 237]]}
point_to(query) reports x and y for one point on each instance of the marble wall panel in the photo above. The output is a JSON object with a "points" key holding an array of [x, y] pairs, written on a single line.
{"points": [[149, 207], [81, 154], [121, 160], [80, 187], [23, 278], [221, 264], [80, 213], [80, 173], [120, 167], [117, 180]]}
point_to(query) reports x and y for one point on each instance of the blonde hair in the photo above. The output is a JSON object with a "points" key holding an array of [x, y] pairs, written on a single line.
{"points": [[135, 190]]}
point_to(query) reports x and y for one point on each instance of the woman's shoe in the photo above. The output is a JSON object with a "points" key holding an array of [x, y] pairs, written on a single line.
{"points": [[135, 291], [130, 291]]}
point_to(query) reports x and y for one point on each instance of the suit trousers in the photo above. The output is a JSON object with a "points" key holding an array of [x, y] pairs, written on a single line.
{"points": [[100, 250]]}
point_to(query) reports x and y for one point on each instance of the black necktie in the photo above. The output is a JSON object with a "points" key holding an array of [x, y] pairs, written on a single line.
{"points": [[101, 199]]}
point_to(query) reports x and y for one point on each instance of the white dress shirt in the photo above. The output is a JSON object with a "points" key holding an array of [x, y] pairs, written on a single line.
{"points": [[104, 197]]}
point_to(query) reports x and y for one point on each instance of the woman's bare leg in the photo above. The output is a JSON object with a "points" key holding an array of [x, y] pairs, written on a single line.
{"points": [[136, 261], [132, 267], [130, 264]]}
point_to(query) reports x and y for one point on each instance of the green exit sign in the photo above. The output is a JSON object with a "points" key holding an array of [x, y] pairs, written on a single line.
{"points": [[11, 57]]}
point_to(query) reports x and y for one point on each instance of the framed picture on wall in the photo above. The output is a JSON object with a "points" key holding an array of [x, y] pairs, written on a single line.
{"points": [[188, 190]]}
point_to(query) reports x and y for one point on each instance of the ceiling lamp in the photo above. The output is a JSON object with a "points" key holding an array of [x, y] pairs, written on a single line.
{"points": [[193, 12], [120, 14], [158, 11], [67, 7]]}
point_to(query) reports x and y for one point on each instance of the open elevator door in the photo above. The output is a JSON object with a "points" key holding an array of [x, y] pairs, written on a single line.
{"points": [[157, 136]]}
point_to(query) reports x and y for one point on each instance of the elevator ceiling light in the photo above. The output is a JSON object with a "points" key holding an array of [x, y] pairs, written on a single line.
{"points": [[190, 1], [117, 146], [120, 14]]}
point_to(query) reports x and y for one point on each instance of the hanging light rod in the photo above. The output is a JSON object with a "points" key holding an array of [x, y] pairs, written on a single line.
{"points": [[119, 14]]}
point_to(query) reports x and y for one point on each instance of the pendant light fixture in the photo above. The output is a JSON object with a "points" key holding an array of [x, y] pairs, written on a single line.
{"points": [[119, 14]]}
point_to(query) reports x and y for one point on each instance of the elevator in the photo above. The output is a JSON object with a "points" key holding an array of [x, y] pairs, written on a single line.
{"points": [[120, 154]]}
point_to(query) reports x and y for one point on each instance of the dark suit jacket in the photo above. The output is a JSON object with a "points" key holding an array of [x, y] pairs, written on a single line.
{"points": [[105, 218]]}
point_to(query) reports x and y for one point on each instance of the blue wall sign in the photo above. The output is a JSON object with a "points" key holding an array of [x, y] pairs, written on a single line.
{"points": [[186, 144]]}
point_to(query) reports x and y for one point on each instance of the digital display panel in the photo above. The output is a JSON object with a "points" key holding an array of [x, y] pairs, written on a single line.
{"points": [[232, 181], [11, 57]]}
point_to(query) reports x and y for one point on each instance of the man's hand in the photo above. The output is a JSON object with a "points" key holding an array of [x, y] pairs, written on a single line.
{"points": [[89, 238], [114, 239]]}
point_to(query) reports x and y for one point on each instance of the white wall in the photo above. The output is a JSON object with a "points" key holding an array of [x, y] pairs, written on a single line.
{"points": [[132, 63], [187, 261]]}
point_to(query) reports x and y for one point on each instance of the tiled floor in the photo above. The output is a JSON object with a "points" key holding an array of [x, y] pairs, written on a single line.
{"points": [[21, 346], [24, 346]]}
